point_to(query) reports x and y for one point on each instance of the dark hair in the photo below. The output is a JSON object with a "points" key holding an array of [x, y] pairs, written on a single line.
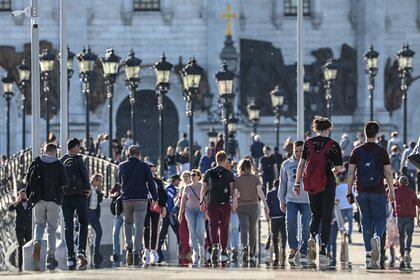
{"points": [[413, 144], [371, 129], [221, 156], [134, 151], [73, 143], [267, 147], [184, 135], [50, 148], [298, 143], [276, 183], [321, 124]]}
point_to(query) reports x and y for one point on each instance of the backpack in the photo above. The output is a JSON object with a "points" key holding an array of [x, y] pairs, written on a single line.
{"points": [[35, 181], [314, 176], [218, 192], [369, 171], [75, 184]]}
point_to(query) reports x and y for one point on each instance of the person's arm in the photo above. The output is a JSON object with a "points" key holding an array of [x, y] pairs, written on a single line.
{"points": [[281, 193], [299, 172], [262, 197], [350, 178], [151, 185], [235, 200], [390, 181], [13, 206], [85, 173], [202, 196], [182, 207]]}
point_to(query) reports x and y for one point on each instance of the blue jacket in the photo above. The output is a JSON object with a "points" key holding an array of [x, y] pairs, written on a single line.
{"points": [[205, 163], [274, 204], [136, 180], [171, 192]]}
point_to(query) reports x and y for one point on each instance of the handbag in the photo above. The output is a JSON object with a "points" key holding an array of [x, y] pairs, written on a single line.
{"points": [[415, 160], [155, 208]]}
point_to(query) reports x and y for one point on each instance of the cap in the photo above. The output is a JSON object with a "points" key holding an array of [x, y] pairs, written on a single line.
{"points": [[175, 177]]}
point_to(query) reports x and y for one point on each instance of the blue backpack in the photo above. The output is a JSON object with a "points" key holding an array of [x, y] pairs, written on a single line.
{"points": [[369, 171]]}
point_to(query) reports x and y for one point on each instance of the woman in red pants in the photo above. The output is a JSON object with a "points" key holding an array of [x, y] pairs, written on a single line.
{"points": [[184, 236]]}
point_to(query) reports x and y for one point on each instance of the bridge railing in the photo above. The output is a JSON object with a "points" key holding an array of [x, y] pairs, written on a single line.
{"points": [[12, 179]]}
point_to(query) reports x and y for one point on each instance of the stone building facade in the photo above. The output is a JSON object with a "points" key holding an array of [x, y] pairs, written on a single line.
{"points": [[343, 29]]}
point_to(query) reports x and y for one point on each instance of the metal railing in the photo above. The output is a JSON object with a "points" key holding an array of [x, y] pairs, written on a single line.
{"points": [[12, 179]]}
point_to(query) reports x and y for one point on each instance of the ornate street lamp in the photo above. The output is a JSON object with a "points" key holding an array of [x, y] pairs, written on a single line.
{"points": [[231, 143], [191, 77], [110, 64], [405, 63], [278, 99], [163, 76], [24, 82], [224, 80], [46, 63], [70, 71], [86, 64], [371, 63], [330, 74], [7, 94], [253, 115], [132, 80]]}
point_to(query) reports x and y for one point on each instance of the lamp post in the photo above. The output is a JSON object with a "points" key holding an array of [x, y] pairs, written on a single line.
{"points": [[371, 62], [405, 66], [163, 76], [46, 62], [132, 80], [86, 64], [24, 81], [224, 80], [330, 74], [253, 115], [7, 94], [110, 65], [231, 142], [191, 77], [278, 101], [70, 58]]}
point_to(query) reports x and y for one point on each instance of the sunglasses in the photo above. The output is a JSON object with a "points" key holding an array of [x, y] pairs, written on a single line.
{"points": [[194, 175]]}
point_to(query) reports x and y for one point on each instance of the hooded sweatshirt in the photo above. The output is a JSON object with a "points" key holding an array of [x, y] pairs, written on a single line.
{"points": [[405, 202], [287, 181]]}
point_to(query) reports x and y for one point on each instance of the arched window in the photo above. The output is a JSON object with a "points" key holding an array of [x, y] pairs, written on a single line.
{"points": [[5, 5], [290, 7], [146, 5]]}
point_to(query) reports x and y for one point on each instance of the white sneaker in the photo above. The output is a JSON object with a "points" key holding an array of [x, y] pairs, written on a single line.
{"points": [[146, 257], [368, 261], [375, 242], [154, 257]]}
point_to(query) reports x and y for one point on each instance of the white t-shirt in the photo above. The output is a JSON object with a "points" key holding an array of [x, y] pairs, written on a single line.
{"points": [[340, 195], [93, 203]]}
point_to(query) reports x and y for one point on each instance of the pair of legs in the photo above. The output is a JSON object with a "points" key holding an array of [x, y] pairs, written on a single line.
{"points": [[293, 209], [278, 228], [93, 220], [23, 236], [169, 221], [79, 205], [196, 227], [248, 218], [234, 231], [219, 224], [405, 229], [134, 213], [116, 231], [347, 215], [151, 227]]}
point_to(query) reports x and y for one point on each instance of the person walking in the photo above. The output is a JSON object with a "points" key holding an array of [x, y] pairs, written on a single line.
{"points": [[182, 143], [116, 210], [170, 162], [46, 179], [136, 182], [320, 156], [267, 169], [23, 222], [94, 214], [395, 141], [217, 189], [183, 231], [294, 205], [190, 206], [206, 161], [395, 159], [75, 199], [346, 147], [247, 190], [257, 149], [344, 206], [371, 162], [411, 169]]}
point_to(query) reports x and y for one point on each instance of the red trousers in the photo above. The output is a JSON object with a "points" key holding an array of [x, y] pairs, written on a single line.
{"points": [[184, 238], [219, 216]]}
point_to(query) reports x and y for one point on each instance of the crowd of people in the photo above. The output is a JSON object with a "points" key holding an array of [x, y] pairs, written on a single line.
{"points": [[214, 207]]}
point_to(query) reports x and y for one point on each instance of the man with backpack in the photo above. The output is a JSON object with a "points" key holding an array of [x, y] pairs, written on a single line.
{"points": [[46, 178], [217, 189], [369, 164], [135, 178], [320, 156], [75, 199]]}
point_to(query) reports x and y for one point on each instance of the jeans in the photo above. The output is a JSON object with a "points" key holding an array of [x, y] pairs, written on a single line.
{"points": [[405, 229], [348, 217], [219, 224], [134, 213], [373, 216], [93, 220], [322, 207], [166, 222], [248, 217], [46, 213], [291, 221], [267, 183], [234, 231], [23, 236], [116, 231], [78, 204], [332, 244], [278, 227], [196, 227]]}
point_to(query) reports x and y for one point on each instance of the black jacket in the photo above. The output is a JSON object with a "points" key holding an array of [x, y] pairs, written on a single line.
{"points": [[53, 179], [23, 216], [162, 196], [83, 169]]}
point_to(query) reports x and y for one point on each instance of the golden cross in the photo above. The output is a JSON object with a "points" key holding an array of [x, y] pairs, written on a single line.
{"points": [[228, 16]]}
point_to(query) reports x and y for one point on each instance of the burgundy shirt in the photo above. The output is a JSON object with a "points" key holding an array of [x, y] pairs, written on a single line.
{"points": [[405, 202], [383, 160]]}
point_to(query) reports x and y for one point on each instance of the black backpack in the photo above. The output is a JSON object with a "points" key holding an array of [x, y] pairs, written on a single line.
{"points": [[35, 181], [75, 184], [219, 192]]}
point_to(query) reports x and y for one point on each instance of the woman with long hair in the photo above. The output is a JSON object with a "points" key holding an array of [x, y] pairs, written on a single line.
{"points": [[185, 249], [190, 206], [247, 190]]}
